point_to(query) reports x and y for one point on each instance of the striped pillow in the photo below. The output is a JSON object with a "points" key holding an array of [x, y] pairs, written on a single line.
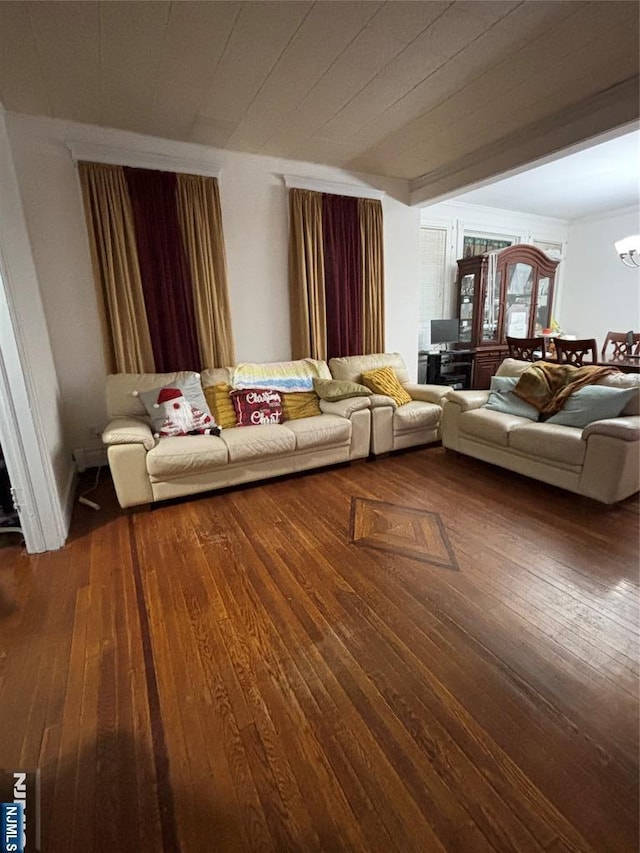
{"points": [[300, 404], [383, 380], [219, 401]]}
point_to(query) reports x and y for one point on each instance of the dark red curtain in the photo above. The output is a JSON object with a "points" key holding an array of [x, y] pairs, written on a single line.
{"points": [[166, 281], [342, 275]]}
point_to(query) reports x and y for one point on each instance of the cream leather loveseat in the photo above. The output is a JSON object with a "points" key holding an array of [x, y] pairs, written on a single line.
{"points": [[146, 469], [600, 461], [392, 426]]}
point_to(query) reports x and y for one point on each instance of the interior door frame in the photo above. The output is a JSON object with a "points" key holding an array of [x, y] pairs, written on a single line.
{"points": [[25, 458]]}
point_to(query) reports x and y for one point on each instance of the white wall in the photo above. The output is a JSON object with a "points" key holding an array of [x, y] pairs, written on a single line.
{"points": [[34, 387], [600, 293], [254, 210]]}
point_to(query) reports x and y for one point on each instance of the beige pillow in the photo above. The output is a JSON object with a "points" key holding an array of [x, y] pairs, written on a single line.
{"points": [[333, 390], [383, 380]]}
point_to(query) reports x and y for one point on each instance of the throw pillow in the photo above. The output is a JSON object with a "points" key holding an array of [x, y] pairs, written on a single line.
{"points": [[188, 383], [502, 399], [179, 417], [383, 380], [217, 396], [255, 406], [300, 404], [333, 390], [592, 403]]}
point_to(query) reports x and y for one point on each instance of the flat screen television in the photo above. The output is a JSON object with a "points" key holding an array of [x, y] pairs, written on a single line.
{"points": [[445, 331]]}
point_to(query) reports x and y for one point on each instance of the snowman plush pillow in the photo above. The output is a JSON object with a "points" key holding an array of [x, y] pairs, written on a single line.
{"points": [[172, 414]]}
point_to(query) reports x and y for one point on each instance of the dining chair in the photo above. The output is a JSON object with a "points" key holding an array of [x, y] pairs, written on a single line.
{"points": [[576, 351], [527, 349], [620, 346]]}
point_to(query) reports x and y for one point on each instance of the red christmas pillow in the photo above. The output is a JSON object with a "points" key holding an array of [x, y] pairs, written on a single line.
{"points": [[255, 406]]}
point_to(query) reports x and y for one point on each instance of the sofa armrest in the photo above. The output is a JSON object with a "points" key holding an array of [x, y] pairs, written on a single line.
{"points": [[468, 399], [382, 400], [627, 428], [128, 431], [344, 408], [427, 393]]}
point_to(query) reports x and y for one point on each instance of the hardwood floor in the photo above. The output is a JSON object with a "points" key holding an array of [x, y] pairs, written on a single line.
{"points": [[420, 653]]}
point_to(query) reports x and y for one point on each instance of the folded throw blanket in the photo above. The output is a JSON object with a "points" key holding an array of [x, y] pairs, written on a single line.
{"points": [[546, 386], [280, 375]]}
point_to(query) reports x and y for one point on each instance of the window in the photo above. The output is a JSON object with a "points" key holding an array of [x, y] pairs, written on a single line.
{"points": [[433, 256], [475, 244]]}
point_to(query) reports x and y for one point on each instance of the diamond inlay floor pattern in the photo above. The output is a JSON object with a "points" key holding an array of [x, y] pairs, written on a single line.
{"points": [[414, 533]]}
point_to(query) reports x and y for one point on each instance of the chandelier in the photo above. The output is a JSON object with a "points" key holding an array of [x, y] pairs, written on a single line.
{"points": [[629, 250]]}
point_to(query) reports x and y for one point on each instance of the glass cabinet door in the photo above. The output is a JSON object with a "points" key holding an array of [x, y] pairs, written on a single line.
{"points": [[491, 309], [467, 294], [518, 300], [543, 308]]}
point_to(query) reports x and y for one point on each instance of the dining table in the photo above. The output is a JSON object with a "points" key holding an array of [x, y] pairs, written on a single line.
{"points": [[629, 364]]}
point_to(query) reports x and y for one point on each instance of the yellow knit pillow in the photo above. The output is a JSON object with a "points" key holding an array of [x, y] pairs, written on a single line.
{"points": [[300, 404], [383, 380], [218, 400]]}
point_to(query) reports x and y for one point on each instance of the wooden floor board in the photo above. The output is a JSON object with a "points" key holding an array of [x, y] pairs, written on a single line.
{"points": [[233, 673]]}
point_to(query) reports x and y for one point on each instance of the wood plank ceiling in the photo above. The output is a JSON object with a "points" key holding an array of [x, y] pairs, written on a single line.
{"points": [[401, 89]]}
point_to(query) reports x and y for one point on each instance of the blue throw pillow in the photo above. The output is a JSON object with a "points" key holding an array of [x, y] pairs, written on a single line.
{"points": [[502, 399], [592, 403]]}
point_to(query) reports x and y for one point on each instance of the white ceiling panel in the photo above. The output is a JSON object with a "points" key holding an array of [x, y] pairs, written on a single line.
{"points": [[509, 95], [196, 37], [323, 36], [400, 126], [22, 83], [131, 44], [68, 44], [457, 27], [414, 89], [259, 37], [385, 36]]}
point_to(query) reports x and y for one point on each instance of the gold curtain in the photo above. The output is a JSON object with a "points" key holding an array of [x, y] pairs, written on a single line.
{"points": [[201, 223], [370, 212], [306, 275], [127, 341]]}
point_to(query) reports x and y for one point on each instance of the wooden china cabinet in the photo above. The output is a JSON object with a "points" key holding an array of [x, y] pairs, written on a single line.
{"points": [[509, 292]]}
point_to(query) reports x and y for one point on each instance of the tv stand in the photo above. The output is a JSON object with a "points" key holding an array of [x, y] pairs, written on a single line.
{"points": [[446, 367]]}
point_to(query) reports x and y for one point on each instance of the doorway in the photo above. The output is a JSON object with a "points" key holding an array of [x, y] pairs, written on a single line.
{"points": [[26, 464]]}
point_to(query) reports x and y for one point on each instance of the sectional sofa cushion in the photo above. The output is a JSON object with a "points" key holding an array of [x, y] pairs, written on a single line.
{"points": [[256, 442], [416, 415], [553, 442], [322, 431], [490, 427], [186, 455]]}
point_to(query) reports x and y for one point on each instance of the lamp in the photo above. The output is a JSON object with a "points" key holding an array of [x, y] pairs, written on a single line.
{"points": [[629, 250]]}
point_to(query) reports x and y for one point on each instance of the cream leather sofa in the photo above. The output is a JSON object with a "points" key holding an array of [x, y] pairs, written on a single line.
{"points": [[394, 427], [601, 461], [146, 469]]}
